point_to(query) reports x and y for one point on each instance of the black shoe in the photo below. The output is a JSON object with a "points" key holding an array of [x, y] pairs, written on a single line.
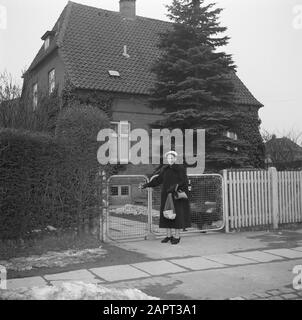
{"points": [[175, 240], [166, 240]]}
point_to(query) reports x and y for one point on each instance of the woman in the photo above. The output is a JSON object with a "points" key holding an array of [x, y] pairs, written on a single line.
{"points": [[172, 176]]}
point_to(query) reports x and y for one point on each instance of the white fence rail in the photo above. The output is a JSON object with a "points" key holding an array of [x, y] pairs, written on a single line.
{"points": [[290, 196], [262, 198]]}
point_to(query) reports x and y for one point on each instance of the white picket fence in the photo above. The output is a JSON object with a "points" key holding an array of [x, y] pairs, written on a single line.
{"points": [[262, 198]]}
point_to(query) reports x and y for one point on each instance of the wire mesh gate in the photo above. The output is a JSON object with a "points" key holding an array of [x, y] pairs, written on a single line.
{"points": [[206, 202], [134, 213], [127, 207]]}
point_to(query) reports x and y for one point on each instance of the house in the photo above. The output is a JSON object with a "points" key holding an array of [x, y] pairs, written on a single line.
{"points": [[110, 53], [283, 153]]}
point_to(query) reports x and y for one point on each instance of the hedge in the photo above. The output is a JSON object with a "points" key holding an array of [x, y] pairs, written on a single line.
{"points": [[48, 180]]}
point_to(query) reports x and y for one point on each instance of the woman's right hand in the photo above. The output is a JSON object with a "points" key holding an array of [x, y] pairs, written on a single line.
{"points": [[142, 186]]}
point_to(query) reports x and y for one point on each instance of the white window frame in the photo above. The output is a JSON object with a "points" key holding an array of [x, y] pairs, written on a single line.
{"points": [[232, 135], [121, 137], [35, 96], [51, 80]]}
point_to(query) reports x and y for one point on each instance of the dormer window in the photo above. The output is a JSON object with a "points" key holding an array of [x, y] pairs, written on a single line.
{"points": [[114, 73], [47, 38], [46, 43]]}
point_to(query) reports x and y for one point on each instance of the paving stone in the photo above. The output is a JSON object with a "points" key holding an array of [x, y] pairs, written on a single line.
{"points": [[197, 263], [251, 297], [275, 298], [258, 256], [119, 273], [289, 296], [274, 292], [287, 290], [29, 282], [77, 275], [88, 281], [286, 253], [229, 259], [157, 268], [263, 295]]}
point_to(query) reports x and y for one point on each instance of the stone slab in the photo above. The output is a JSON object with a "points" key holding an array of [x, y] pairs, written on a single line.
{"points": [[197, 263], [119, 273], [229, 259], [77, 275], [258, 256], [157, 268], [29, 282], [286, 253], [87, 281]]}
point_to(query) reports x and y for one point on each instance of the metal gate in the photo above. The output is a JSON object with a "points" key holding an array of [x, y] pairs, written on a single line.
{"points": [[134, 213], [127, 214], [206, 202]]}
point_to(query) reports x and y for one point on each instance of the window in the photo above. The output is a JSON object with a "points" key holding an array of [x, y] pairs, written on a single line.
{"points": [[51, 81], [231, 135], [114, 73], [46, 43], [120, 191], [35, 96], [125, 191], [122, 134], [114, 191]]}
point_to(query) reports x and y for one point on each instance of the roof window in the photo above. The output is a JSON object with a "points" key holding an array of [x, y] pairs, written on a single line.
{"points": [[114, 73]]}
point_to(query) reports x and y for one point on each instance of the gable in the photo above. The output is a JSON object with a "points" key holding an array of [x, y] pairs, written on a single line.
{"points": [[91, 43]]}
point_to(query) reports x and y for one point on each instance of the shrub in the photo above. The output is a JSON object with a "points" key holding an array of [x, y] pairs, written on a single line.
{"points": [[78, 127], [48, 180], [31, 189]]}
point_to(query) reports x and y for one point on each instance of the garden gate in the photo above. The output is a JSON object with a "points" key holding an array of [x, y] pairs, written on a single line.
{"points": [[134, 213]]}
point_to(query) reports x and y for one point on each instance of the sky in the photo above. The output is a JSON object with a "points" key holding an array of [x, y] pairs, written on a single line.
{"points": [[266, 44]]}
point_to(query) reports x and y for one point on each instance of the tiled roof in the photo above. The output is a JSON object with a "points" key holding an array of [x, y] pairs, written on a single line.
{"points": [[283, 149], [91, 43]]}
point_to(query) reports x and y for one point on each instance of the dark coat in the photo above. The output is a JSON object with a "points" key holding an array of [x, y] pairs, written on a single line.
{"points": [[169, 177]]}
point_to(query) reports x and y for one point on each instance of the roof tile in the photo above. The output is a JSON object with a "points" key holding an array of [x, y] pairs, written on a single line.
{"points": [[91, 42]]}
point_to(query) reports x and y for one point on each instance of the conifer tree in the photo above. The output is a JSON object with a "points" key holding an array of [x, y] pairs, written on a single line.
{"points": [[194, 85]]}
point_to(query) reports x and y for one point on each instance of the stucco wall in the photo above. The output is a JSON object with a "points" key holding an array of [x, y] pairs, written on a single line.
{"points": [[40, 74], [136, 110]]}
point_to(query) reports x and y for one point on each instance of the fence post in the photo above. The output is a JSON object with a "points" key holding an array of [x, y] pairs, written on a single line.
{"points": [[274, 194], [226, 201], [104, 208]]}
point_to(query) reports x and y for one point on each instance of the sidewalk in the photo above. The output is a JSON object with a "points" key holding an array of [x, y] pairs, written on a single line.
{"points": [[249, 265]]}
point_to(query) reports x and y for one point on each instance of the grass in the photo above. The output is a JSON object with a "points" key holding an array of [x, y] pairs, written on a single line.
{"points": [[65, 240]]}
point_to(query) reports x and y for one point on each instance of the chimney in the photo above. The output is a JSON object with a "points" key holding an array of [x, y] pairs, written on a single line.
{"points": [[128, 8]]}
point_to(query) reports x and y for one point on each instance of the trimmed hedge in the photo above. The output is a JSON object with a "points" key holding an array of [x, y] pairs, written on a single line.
{"points": [[50, 181], [32, 169]]}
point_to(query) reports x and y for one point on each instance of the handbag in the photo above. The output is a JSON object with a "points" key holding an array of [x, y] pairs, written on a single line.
{"points": [[178, 195], [169, 210]]}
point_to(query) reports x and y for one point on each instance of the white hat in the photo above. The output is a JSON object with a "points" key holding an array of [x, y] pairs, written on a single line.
{"points": [[171, 152]]}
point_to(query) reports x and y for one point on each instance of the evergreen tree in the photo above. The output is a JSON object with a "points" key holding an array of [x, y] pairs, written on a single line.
{"points": [[194, 82]]}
